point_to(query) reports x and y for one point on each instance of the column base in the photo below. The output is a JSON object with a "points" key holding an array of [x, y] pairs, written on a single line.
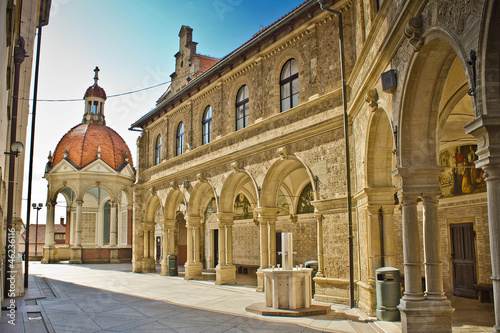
{"points": [[225, 275], [193, 271], [148, 266], [260, 280], [75, 255], [425, 316], [113, 256], [49, 255], [137, 266], [164, 267]]}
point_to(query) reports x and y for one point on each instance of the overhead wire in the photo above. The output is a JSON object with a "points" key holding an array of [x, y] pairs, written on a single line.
{"points": [[110, 96]]}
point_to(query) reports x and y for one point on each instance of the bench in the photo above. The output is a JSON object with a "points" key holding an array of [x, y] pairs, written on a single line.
{"points": [[485, 292]]}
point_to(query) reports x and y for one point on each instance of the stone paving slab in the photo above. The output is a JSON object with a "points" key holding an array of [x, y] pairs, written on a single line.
{"points": [[110, 298]]}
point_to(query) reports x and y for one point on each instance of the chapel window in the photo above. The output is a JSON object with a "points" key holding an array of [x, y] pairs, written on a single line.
{"points": [[289, 85], [180, 139], [242, 108], [158, 150], [207, 125]]}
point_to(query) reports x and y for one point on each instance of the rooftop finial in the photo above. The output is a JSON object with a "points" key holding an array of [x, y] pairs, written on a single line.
{"points": [[96, 76]]}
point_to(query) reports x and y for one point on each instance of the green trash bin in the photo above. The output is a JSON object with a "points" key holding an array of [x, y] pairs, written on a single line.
{"points": [[388, 289], [314, 265], [172, 265]]}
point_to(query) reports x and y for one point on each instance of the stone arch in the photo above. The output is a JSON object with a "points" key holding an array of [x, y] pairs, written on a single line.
{"points": [[173, 200], [235, 183], [418, 134], [201, 194], [279, 172], [379, 154], [152, 205], [489, 60], [52, 196], [101, 186]]}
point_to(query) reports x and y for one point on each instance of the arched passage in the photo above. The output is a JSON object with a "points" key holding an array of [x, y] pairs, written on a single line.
{"points": [[434, 110]]}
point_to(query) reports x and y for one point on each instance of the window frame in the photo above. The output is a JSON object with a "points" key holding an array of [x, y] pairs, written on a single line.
{"points": [[158, 143], [289, 79], [206, 125], [245, 104], [179, 139]]}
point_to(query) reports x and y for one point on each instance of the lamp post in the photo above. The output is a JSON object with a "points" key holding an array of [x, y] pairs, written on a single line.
{"points": [[37, 207]]}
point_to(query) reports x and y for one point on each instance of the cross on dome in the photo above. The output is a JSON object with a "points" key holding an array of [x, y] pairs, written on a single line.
{"points": [[96, 76]]}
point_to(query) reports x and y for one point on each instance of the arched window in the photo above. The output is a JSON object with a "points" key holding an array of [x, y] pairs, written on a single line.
{"points": [[242, 108], [289, 85], [158, 150], [207, 125], [180, 139]]}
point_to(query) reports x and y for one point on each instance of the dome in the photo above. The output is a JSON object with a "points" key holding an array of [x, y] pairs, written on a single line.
{"points": [[95, 91], [81, 145]]}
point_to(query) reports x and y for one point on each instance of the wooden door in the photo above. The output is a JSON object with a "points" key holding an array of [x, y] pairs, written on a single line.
{"points": [[463, 259]]}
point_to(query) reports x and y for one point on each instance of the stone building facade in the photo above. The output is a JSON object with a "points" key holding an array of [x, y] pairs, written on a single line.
{"points": [[20, 20], [263, 130]]}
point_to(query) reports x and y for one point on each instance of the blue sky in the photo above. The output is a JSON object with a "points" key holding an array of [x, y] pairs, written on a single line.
{"points": [[133, 43]]}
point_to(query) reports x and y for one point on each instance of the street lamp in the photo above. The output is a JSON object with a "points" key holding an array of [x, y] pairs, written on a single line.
{"points": [[37, 207]]}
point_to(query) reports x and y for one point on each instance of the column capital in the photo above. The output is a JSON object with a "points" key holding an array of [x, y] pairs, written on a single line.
{"points": [[148, 226], [486, 128], [267, 213], [79, 201], [168, 223], [194, 221], [319, 216], [225, 218]]}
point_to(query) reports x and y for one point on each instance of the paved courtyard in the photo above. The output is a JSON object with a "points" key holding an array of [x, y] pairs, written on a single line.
{"points": [[110, 298]]}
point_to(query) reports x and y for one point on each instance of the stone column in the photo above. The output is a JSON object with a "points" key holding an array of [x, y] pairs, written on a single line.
{"points": [[486, 129], [113, 251], [374, 244], [432, 250], [272, 242], [193, 266], [149, 263], [229, 244], [267, 217], [112, 225], [389, 237], [225, 272], [167, 230], [319, 227], [493, 188], [411, 249], [76, 250], [418, 313]]}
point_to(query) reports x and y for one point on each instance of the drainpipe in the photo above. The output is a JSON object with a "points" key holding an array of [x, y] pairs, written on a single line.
{"points": [[347, 154], [43, 19], [19, 55]]}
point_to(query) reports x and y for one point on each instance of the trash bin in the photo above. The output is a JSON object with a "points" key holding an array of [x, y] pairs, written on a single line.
{"points": [[172, 265], [388, 291], [314, 265]]}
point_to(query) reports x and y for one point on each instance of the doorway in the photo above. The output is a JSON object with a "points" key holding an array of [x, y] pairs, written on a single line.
{"points": [[158, 249], [215, 247], [463, 259]]}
